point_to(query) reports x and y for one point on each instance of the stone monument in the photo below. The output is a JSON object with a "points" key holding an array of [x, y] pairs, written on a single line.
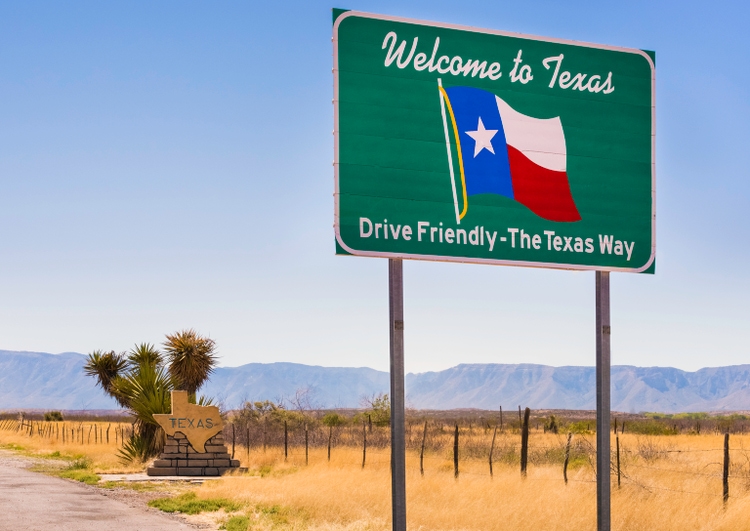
{"points": [[195, 444]]}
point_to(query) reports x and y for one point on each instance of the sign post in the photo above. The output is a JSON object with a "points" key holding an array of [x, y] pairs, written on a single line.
{"points": [[468, 145], [398, 443], [603, 332]]}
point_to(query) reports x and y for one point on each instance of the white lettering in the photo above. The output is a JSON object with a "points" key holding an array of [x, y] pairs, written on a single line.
{"points": [[556, 58], [421, 230], [513, 237], [406, 233], [490, 238], [474, 236], [629, 250], [362, 233], [524, 74]]}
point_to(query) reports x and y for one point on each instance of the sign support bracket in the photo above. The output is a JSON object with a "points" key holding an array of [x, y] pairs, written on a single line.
{"points": [[398, 445], [603, 333]]}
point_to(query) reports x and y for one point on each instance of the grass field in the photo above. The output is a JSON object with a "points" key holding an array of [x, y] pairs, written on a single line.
{"points": [[668, 482], [85, 442]]}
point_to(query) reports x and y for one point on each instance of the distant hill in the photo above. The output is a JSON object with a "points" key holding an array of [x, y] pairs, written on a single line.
{"points": [[45, 381]]}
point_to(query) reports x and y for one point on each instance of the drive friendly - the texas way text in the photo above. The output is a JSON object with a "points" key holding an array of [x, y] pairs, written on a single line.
{"points": [[479, 236]]}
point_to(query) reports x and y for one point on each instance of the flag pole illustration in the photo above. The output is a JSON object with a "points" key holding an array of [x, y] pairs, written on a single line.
{"points": [[504, 152]]}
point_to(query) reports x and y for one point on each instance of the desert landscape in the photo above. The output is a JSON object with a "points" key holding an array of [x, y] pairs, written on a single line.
{"points": [[667, 475]]}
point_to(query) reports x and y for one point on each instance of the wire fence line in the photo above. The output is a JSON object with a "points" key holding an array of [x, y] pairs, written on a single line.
{"points": [[437, 446], [73, 433]]}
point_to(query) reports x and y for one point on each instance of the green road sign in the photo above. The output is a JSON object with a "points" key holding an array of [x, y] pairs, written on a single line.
{"points": [[467, 145]]}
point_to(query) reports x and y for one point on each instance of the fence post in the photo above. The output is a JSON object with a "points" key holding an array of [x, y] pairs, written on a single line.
{"points": [[232, 440], [364, 443], [421, 452], [520, 421], [455, 453], [286, 441], [108, 426], [567, 458], [615, 430], [492, 448], [501, 419], [330, 436], [617, 443], [725, 476], [306, 446], [248, 444], [525, 442]]}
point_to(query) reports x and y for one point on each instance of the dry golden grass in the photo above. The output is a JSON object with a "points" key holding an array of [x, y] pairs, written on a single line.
{"points": [[669, 483], [101, 454]]}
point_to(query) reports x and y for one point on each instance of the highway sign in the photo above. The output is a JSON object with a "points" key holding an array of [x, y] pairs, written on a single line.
{"points": [[470, 145]]}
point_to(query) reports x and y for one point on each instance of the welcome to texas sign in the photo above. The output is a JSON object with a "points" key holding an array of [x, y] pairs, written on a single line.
{"points": [[468, 145]]}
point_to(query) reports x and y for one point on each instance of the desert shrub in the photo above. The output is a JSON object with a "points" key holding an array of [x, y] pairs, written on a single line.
{"points": [[189, 503], [236, 523], [53, 416], [333, 419]]}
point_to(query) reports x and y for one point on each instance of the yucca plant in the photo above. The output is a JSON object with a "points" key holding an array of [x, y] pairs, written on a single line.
{"points": [[142, 382], [106, 367], [147, 391], [191, 360], [145, 354]]}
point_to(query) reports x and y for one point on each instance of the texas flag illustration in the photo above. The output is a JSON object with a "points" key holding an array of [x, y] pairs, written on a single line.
{"points": [[504, 152]]}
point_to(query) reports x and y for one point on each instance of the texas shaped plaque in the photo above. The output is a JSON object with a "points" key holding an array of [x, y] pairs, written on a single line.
{"points": [[197, 423]]}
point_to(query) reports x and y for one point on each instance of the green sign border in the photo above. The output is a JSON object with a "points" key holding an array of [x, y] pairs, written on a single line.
{"points": [[340, 15]]}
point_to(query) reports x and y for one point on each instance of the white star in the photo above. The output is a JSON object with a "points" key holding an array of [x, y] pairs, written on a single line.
{"points": [[483, 138]]}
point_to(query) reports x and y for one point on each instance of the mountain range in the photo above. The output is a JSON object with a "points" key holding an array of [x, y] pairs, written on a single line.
{"points": [[35, 380]]}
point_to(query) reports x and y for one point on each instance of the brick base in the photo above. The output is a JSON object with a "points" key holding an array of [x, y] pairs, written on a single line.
{"points": [[179, 458]]}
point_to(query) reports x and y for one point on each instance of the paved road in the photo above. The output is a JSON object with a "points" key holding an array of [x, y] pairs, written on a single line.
{"points": [[34, 502]]}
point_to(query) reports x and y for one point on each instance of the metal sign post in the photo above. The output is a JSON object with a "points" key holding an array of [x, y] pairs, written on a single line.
{"points": [[603, 330], [398, 445]]}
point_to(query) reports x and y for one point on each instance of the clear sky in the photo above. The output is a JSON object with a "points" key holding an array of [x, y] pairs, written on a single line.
{"points": [[166, 165]]}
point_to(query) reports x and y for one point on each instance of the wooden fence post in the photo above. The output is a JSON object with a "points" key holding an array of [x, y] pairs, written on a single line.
{"points": [[364, 443], [108, 426], [330, 437], [421, 452], [617, 443], [501, 419], [233, 438], [492, 448], [286, 441], [520, 421], [725, 475], [248, 444], [455, 453], [525, 442], [567, 458], [306, 447]]}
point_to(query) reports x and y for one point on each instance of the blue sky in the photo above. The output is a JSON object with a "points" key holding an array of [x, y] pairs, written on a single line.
{"points": [[168, 165]]}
